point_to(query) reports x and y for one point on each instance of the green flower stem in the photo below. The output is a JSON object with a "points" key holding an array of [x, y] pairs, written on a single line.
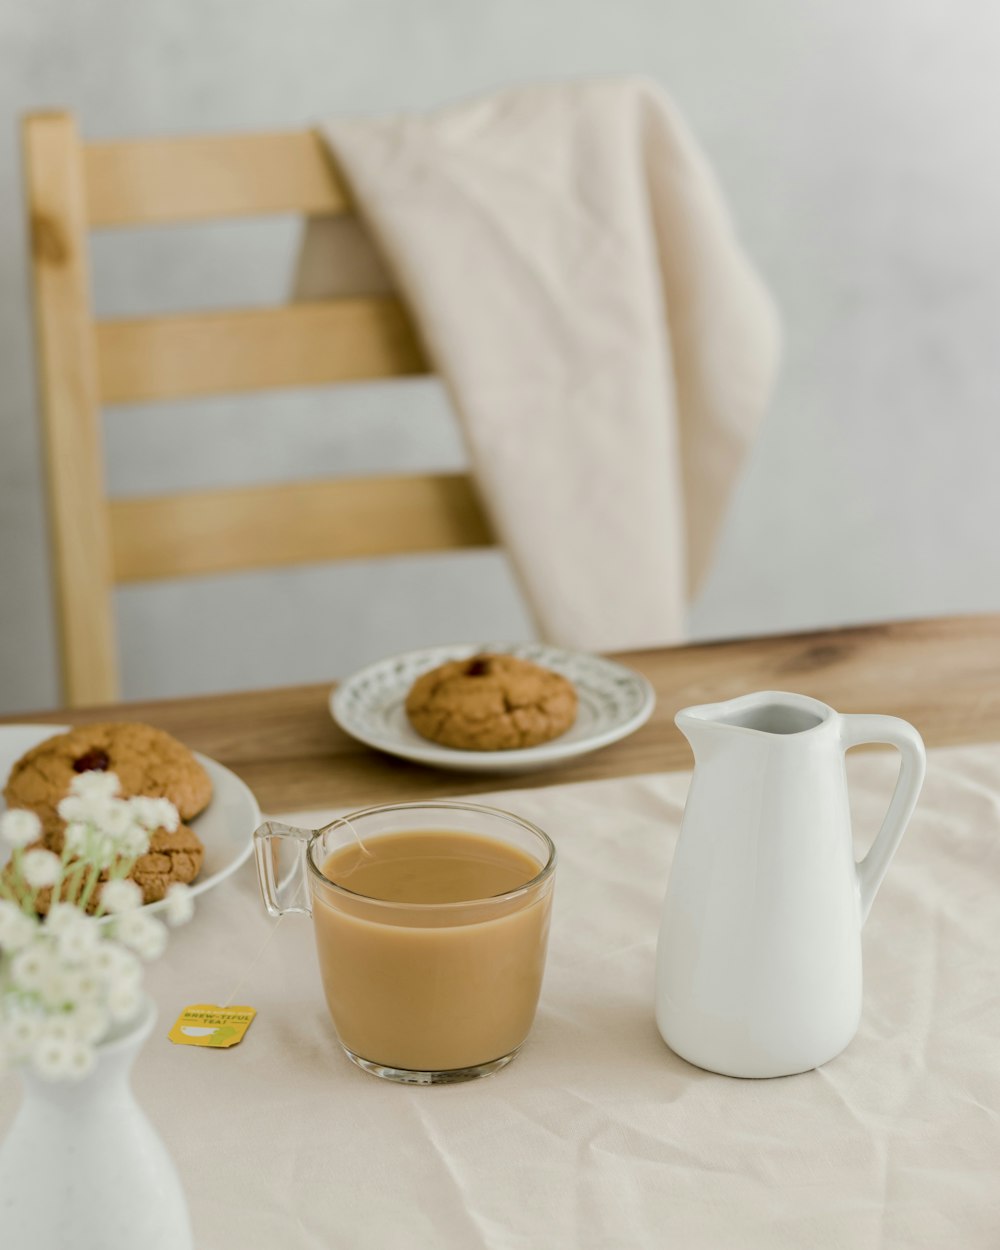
{"points": [[25, 894], [73, 882], [8, 892], [73, 871], [93, 872]]}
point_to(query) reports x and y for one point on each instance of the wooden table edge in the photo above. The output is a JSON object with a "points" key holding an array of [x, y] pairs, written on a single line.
{"points": [[942, 674]]}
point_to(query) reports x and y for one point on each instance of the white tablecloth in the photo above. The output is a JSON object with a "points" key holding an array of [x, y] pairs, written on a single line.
{"points": [[596, 1136]]}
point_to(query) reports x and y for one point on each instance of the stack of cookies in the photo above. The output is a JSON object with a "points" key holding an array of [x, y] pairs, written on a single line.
{"points": [[146, 761]]}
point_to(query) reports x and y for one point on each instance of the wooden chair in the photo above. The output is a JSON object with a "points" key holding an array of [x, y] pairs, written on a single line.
{"points": [[83, 364]]}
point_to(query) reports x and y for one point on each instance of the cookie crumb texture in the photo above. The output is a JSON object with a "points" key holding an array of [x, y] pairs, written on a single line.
{"points": [[491, 703], [171, 857], [146, 760]]}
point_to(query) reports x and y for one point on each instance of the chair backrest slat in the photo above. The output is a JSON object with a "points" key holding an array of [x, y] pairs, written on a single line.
{"points": [[308, 344], [73, 188], [205, 177], [293, 523]]}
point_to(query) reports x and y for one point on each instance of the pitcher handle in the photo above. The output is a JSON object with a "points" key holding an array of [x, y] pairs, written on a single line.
{"points": [[857, 730], [281, 890]]}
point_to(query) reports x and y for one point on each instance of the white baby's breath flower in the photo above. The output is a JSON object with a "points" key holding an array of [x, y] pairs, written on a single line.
{"points": [[100, 851], [87, 809], [50, 1057], [120, 896], [104, 959], [61, 917], [144, 811], [154, 813], [128, 970], [124, 1003], [86, 986], [67, 987], [31, 966], [80, 931], [143, 933], [21, 1030], [117, 820], [90, 1022], [115, 965], [76, 836], [41, 868], [95, 785], [180, 903], [155, 942], [76, 942], [58, 1046], [167, 816], [20, 828], [134, 842], [16, 929], [56, 986], [59, 1029], [73, 808], [80, 1060]]}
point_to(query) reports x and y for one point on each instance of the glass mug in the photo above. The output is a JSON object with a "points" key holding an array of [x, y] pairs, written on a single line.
{"points": [[420, 992]]}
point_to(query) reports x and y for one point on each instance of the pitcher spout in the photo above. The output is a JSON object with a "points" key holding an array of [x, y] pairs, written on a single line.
{"points": [[766, 712]]}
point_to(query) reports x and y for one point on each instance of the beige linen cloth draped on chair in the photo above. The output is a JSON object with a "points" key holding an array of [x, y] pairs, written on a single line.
{"points": [[577, 282]]}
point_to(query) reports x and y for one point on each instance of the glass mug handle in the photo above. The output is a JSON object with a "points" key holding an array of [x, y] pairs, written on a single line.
{"points": [[285, 886]]}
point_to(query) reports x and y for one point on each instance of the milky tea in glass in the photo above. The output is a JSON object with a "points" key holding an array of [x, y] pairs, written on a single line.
{"points": [[431, 924]]}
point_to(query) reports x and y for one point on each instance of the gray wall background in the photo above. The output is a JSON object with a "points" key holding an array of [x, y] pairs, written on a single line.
{"points": [[857, 145]]}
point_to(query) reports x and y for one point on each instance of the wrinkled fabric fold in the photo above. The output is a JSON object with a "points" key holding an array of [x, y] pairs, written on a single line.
{"points": [[573, 272]]}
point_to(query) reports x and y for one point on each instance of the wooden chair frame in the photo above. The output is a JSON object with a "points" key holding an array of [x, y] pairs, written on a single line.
{"points": [[75, 187]]}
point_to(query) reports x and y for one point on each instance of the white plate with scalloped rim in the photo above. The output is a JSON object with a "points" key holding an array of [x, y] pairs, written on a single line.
{"points": [[614, 702], [225, 827]]}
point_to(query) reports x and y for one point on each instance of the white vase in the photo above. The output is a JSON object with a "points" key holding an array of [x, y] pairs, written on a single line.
{"points": [[83, 1169]]}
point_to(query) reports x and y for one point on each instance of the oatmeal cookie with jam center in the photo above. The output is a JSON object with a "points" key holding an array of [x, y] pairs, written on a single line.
{"points": [[145, 760], [491, 703]]}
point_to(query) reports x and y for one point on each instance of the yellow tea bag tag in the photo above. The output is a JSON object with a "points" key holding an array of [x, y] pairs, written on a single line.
{"points": [[204, 1024]]}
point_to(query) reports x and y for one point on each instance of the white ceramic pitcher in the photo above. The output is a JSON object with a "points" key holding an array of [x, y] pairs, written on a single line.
{"points": [[759, 957]]}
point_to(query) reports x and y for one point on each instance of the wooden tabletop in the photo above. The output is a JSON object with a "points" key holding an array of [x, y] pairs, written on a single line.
{"points": [[943, 675]]}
